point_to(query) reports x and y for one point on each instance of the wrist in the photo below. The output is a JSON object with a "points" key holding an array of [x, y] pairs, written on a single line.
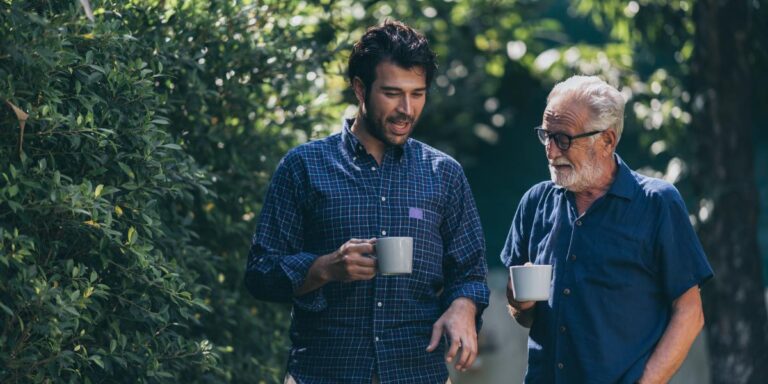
{"points": [[319, 270], [465, 303]]}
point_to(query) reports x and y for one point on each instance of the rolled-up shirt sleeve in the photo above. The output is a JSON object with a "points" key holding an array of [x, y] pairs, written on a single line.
{"points": [[464, 266], [679, 252], [277, 266]]}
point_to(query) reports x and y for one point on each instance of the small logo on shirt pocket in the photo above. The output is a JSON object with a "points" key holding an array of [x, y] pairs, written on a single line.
{"points": [[416, 213]]}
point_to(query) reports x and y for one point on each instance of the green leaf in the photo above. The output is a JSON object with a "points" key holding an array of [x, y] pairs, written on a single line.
{"points": [[132, 235], [126, 169], [15, 207], [6, 309], [97, 360], [98, 190]]}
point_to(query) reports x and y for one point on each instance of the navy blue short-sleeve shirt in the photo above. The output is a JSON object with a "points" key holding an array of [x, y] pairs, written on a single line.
{"points": [[616, 271]]}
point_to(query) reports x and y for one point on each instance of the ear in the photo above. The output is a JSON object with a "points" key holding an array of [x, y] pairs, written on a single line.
{"points": [[359, 88], [610, 140]]}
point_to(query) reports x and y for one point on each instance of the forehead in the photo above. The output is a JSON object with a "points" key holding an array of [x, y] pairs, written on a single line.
{"points": [[565, 116], [391, 75]]}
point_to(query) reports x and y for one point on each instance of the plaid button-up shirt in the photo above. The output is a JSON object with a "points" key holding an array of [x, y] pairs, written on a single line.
{"points": [[329, 191]]}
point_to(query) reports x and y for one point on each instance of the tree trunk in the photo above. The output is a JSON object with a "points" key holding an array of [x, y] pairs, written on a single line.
{"points": [[724, 180]]}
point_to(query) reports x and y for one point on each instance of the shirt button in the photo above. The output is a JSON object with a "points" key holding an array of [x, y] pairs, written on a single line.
{"points": [[354, 158], [578, 223], [383, 198], [567, 291], [380, 304], [560, 365], [573, 257], [376, 338], [383, 232], [562, 329], [373, 168]]}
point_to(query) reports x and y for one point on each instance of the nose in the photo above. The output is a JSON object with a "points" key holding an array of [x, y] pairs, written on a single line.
{"points": [[405, 105], [553, 151]]}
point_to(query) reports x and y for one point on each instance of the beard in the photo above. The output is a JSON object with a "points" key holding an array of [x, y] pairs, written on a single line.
{"points": [[577, 181], [376, 127]]}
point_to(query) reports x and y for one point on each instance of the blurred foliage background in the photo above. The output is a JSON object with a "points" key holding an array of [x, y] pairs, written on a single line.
{"points": [[137, 139]]}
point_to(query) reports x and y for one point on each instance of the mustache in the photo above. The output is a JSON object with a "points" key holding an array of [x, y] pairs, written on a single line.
{"points": [[560, 161], [400, 118]]}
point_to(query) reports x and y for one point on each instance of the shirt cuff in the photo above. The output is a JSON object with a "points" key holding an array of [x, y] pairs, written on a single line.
{"points": [[296, 268], [477, 291]]}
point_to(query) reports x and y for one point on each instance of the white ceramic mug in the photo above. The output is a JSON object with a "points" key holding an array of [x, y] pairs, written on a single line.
{"points": [[531, 282], [394, 255]]}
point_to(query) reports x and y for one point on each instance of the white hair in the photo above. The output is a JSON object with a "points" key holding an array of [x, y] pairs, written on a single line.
{"points": [[605, 102]]}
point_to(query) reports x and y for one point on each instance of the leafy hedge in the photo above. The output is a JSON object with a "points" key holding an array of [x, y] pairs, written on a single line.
{"points": [[127, 199]]}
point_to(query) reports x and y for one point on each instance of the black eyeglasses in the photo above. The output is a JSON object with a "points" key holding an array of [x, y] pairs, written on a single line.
{"points": [[562, 140]]}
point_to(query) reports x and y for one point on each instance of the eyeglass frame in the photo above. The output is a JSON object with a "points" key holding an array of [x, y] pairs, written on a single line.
{"points": [[549, 136]]}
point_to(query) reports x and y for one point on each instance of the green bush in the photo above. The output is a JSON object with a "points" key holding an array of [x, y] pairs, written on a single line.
{"points": [[126, 216]]}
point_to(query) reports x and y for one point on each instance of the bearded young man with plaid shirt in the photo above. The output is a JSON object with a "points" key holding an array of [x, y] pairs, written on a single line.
{"points": [[330, 199]]}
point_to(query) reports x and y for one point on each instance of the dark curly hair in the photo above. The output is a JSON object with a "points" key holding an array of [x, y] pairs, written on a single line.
{"points": [[391, 41]]}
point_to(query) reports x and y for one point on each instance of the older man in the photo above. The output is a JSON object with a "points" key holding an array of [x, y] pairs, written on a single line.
{"points": [[627, 265]]}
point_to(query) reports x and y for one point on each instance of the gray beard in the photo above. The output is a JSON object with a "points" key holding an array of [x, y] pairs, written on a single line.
{"points": [[582, 180]]}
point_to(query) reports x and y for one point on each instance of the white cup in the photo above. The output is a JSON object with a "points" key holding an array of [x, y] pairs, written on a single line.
{"points": [[394, 255], [531, 282]]}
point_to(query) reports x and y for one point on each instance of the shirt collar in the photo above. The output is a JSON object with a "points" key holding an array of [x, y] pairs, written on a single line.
{"points": [[351, 142], [624, 185], [356, 148]]}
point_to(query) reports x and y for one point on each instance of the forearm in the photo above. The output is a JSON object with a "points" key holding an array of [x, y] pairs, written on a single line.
{"points": [[686, 323], [316, 276]]}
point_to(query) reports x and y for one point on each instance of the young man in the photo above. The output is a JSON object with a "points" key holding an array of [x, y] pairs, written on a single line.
{"points": [[328, 202]]}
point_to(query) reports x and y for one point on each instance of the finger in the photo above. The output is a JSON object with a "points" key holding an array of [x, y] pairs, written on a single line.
{"points": [[364, 261], [361, 273], [455, 344], [473, 351], [437, 332], [525, 305], [510, 294], [462, 355], [361, 248], [467, 355], [528, 263], [356, 259]]}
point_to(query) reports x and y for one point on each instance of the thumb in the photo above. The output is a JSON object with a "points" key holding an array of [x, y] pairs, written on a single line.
{"points": [[437, 332], [528, 263]]}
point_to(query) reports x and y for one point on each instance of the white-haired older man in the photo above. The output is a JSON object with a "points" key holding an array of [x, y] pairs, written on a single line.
{"points": [[627, 265]]}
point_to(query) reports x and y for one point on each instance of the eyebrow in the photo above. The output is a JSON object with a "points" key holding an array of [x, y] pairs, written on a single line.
{"points": [[386, 88]]}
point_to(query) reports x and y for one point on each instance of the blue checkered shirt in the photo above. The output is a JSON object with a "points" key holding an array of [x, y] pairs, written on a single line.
{"points": [[329, 191]]}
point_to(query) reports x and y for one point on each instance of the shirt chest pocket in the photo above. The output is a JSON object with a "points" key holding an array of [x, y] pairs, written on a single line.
{"points": [[611, 260]]}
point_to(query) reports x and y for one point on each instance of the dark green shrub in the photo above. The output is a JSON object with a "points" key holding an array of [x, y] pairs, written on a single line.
{"points": [[126, 218]]}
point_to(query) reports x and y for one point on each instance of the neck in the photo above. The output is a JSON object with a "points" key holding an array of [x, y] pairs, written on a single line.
{"points": [[585, 198], [372, 145]]}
